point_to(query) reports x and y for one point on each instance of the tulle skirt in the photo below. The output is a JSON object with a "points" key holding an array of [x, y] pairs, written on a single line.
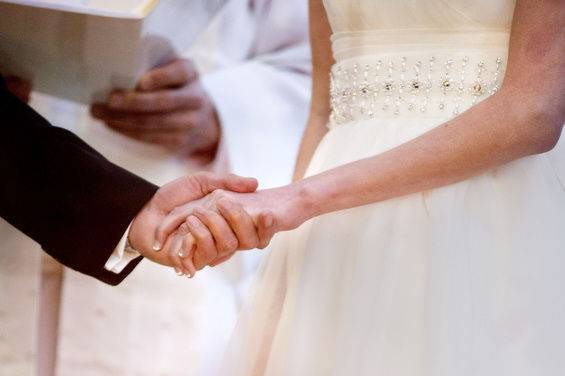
{"points": [[467, 279]]}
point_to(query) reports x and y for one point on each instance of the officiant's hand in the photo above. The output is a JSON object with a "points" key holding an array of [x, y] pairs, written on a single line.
{"points": [[172, 195], [169, 107]]}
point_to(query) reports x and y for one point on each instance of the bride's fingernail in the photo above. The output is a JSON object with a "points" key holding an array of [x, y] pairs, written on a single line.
{"points": [[179, 272], [156, 245], [181, 253]]}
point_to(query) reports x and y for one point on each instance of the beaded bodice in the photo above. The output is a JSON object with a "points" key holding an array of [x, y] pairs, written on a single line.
{"points": [[415, 57]]}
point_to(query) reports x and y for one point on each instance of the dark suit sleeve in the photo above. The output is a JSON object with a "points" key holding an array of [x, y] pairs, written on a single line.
{"points": [[62, 193]]}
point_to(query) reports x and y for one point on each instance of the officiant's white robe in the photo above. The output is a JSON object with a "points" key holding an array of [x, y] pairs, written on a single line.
{"points": [[255, 62]]}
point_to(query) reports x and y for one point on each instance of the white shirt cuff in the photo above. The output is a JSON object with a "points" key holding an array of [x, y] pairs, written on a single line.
{"points": [[123, 254]]}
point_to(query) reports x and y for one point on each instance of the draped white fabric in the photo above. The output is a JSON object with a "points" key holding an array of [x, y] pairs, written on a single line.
{"points": [[462, 280]]}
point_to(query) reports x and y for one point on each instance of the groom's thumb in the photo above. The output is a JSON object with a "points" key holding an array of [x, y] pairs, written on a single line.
{"points": [[209, 182], [240, 184]]}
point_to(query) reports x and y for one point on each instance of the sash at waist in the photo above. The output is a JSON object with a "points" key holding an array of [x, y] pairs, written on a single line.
{"points": [[357, 43]]}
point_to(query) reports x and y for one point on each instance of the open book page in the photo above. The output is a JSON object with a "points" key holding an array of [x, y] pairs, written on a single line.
{"points": [[79, 54], [109, 8]]}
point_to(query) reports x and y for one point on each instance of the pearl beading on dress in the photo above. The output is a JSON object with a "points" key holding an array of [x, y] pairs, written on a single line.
{"points": [[393, 86]]}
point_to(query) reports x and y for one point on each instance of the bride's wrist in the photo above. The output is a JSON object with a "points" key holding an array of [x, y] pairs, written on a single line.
{"points": [[303, 201]]}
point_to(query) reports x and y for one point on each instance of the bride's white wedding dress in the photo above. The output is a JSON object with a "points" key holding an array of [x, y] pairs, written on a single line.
{"points": [[467, 279]]}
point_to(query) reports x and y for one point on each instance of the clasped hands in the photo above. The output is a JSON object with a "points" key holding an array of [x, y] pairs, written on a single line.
{"points": [[203, 219]]}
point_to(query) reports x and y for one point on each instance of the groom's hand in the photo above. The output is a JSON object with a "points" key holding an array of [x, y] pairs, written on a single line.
{"points": [[172, 195]]}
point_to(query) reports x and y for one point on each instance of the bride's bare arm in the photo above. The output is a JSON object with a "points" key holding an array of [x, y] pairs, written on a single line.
{"points": [[322, 61], [524, 118]]}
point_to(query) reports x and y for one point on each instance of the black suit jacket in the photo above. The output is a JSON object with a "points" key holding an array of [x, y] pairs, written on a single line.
{"points": [[62, 193]]}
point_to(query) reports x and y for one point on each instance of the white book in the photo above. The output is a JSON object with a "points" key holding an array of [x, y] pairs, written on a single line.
{"points": [[81, 49]]}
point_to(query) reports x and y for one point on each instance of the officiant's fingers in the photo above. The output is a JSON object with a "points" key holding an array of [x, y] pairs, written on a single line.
{"points": [[159, 122], [154, 101], [226, 241], [265, 228], [240, 222], [170, 141], [174, 74], [206, 250]]}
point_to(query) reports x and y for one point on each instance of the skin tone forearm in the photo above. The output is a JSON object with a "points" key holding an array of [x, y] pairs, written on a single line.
{"points": [[524, 118], [493, 134]]}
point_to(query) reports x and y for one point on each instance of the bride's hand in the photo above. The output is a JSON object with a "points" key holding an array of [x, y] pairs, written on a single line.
{"points": [[210, 238], [267, 211], [282, 204]]}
